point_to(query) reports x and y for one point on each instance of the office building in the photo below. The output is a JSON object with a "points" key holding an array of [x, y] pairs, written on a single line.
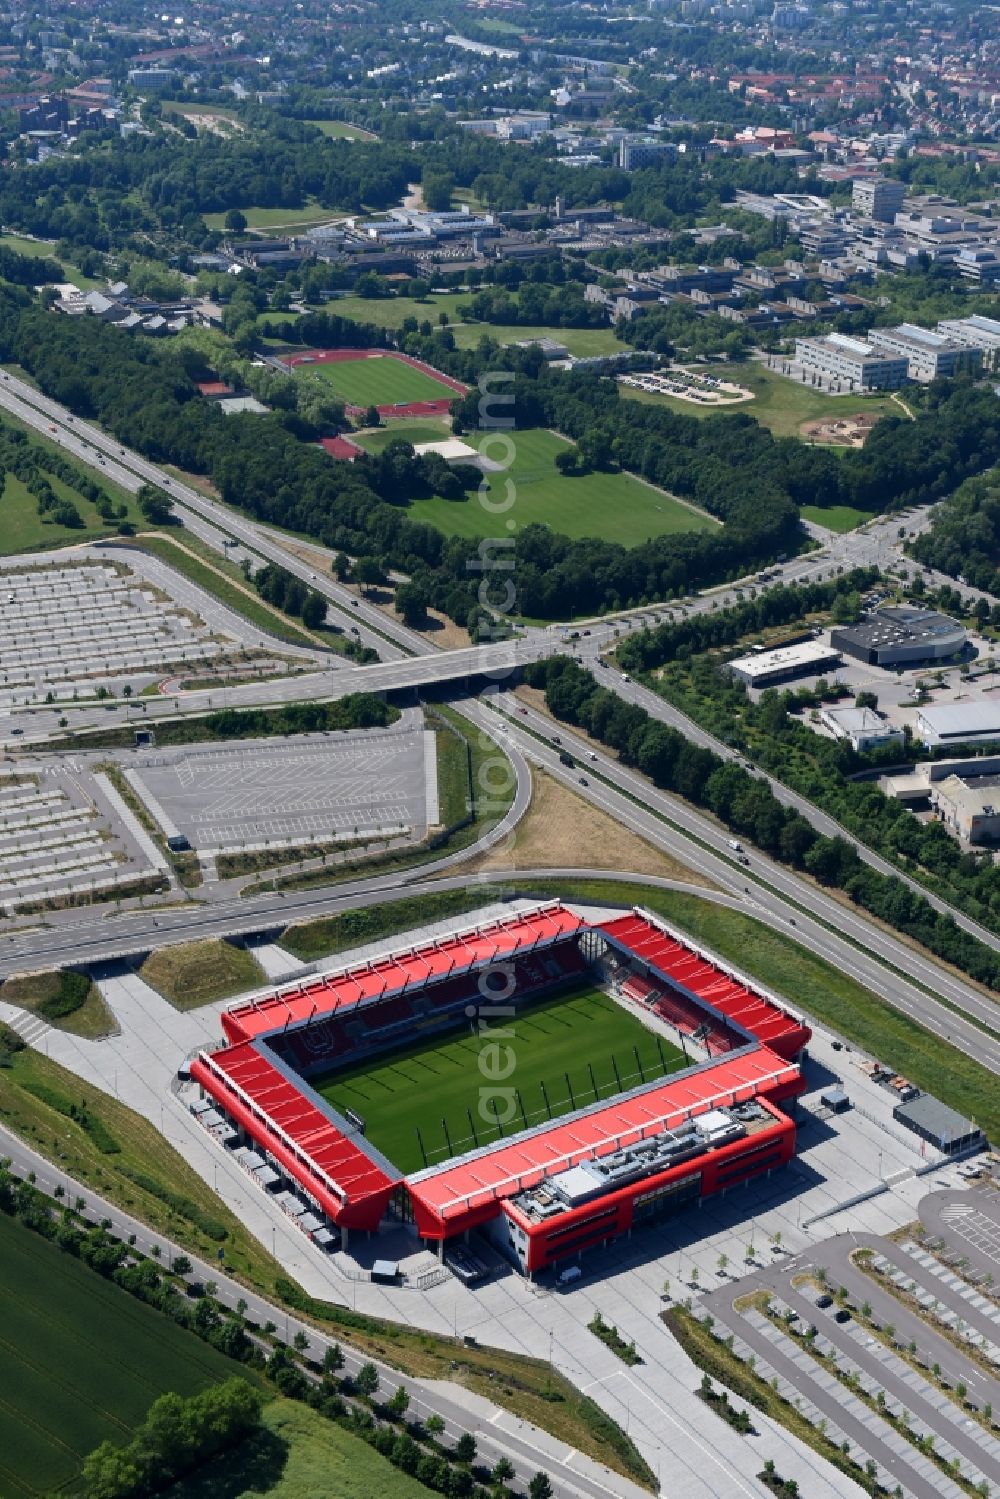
{"points": [[878, 198], [975, 332], [851, 362], [635, 154], [928, 355]]}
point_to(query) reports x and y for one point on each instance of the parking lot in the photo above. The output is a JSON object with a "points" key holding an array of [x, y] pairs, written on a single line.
{"points": [[71, 629], [258, 793], [64, 833]]}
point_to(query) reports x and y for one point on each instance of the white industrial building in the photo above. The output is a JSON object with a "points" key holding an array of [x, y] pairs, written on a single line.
{"points": [[866, 728], [928, 355], [852, 361], [959, 723], [764, 668], [975, 332]]}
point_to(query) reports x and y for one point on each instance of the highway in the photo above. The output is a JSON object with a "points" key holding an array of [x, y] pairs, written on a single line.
{"points": [[794, 895]]}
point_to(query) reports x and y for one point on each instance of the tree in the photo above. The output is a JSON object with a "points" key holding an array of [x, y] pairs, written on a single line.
{"points": [[235, 221], [436, 189], [366, 1382], [465, 1448], [399, 1402], [372, 417], [540, 1486], [333, 1359], [368, 572], [314, 610], [411, 604], [182, 1265], [434, 1424], [300, 1341], [503, 1471]]}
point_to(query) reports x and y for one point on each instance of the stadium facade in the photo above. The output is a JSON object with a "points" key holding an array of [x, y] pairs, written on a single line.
{"points": [[544, 1193]]}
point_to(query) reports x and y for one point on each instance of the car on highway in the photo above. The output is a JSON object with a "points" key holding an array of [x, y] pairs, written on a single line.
{"points": [[523, 711], [584, 781], [52, 426]]}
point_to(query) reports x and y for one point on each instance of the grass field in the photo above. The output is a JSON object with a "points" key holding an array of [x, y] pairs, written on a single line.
{"points": [[427, 430], [41, 993], [615, 506], [838, 518], [23, 530], [275, 218], [389, 312], [81, 1361], [569, 1050], [299, 1455], [341, 130], [196, 973], [378, 380], [42, 250], [780, 404], [581, 342]]}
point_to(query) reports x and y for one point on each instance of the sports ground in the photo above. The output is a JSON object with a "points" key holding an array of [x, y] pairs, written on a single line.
{"points": [[562, 1054], [392, 382]]}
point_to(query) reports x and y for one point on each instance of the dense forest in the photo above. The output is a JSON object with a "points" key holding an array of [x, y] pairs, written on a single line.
{"points": [[964, 535]]}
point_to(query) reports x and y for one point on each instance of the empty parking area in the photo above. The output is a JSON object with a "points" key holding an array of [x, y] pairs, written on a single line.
{"points": [[61, 836], [89, 624], [256, 794]]}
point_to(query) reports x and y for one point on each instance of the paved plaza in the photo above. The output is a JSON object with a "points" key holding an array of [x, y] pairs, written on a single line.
{"points": [[267, 793]]}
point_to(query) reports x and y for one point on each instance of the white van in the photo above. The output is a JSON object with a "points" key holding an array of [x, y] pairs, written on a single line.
{"points": [[735, 845], [567, 1276]]}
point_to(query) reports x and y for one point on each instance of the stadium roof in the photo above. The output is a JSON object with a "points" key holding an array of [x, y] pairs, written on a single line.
{"points": [[705, 980], [337, 1166], [458, 952], [480, 1179]]}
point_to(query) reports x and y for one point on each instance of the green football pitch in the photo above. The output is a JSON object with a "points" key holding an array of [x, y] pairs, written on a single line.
{"points": [[378, 380], [442, 1096]]}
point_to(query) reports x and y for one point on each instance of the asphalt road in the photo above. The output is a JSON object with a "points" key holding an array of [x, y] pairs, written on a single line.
{"points": [[527, 1447]]}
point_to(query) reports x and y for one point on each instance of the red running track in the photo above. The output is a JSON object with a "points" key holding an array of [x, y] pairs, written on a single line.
{"points": [[406, 408]]}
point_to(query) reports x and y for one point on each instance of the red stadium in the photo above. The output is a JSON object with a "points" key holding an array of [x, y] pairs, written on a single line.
{"points": [[552, 1189]]}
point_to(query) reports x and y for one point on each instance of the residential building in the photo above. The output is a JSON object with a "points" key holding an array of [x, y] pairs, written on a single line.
{"points": [[634, 154]]}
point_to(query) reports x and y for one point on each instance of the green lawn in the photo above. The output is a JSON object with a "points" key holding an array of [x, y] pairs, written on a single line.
{"points": [[427, 430], [275, 218], [23, 530], [835, 517], [43, 250], [616, 506], [581, 342], [341, 130], [378, 380], [567, 1050], [389, 312], [297, 1454], [780, 404], [81, 1361]]}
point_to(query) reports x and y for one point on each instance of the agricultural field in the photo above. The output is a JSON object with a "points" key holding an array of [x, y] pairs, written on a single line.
{"points": [[616, 506], [780, 404], [571, 1049], [81, 1361], [377, 380]]}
